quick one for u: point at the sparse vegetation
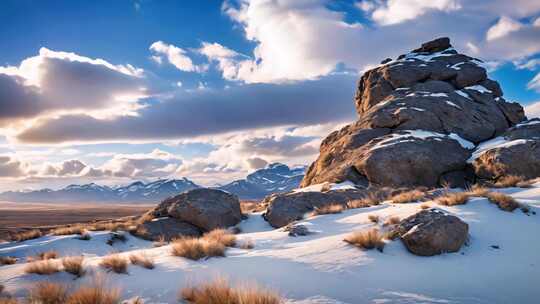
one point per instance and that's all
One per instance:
(408, 196)
(372, 199)
(219, 291)
(46, 255)
(160, 241)
(45, 267)
(85, 236)
(115, 263)
(74, 265)
(116, 237)
(250, 206)
(27, 235)
(221, 236)
(373, 218)
(142, 260)
(76, 229)
(95, 293)
(328, 209)
(503, 201)
(48, 293)
(453, 198)
(370, 239)
(393, 220)
(478, 191)
(513, 181)
(425, 206)
(196, 249)
(7, 260)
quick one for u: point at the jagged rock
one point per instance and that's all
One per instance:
(297, 230)
(431, 89)
(286, 208)
(204, 208)
(167, 227)
(430, 232)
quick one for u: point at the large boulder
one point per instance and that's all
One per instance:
(207, 209)
(430, 232)
(168, 228)
(433, 104)
(285, 208)
(516, 152)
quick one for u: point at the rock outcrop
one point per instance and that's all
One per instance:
(192, 213)
(430, 232)
(420, 118)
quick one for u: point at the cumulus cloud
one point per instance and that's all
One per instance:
(502, 28)
(534, 84)
(174, 55)
(11, 167)
(205, 112)
(533, 110)
(510, 39)
(397, 11)
(72, 167)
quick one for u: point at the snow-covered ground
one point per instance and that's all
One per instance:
(321, 268)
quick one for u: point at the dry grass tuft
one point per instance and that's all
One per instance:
(48, 293)
(219, 291)
(45, 267)
(453, 199)
(372, 199)
(95, 293)
(393, 220)
(328, 209)
(505, 202)
(425, 206)
(373, 218)
(74, 265)
(196, 249)
(250, 206)
(46, 255)
(370, 239)
(7, 260)
(85, 236)
(27, 235)
(408, 196)
(142, 260)
(513, 181)
(478, 191)
(221, 236)
(115, 263)
(160, 242)
(76, 229)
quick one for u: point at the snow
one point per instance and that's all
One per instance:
(478, 88)
(412, 135)
(464, 94)
(321, 268)
(329, 186)
(528, 123)
(452, 104)
(497, 142)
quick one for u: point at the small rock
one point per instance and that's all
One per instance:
(297, 230)
(495, 246)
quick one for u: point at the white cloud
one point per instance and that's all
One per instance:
(11, 167)
(534, 84)
(502, 28)
(174, 55)
(532, 110)
(397, 11)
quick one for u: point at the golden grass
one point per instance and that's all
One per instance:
(160, 242)
(513, 181)
(48, 293)
(27, 235)
(408, 197)
(393, 220)
(196, 249)
(97, 292)
(115, 263)
(250, 206)
(328, 209)
(425, 206)
(74, 265)
(373, 218)
(221, 236)
(142, 260)
(46, 255)
(219, 291)
(45, 267)
(76, 229)
(8, 301)
(453, 198)
(503, 201)
(477, 190)
(370, 239)
(7, 260)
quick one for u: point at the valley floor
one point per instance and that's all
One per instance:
(501, 263)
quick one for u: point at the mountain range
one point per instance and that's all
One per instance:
(274, 178)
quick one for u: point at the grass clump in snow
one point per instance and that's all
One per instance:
(7, 260)
(373, 218)
(46, 255)
(160, 241)
(453, 198)
(196, 249)
(222, 236)
(45, 267)
(513, 181)
(219, 291)
(393, 220)
(425, 206)
(115, 263)
(74, 265)
(328, 209)
(408, 197)
(85, 236)
(27, 235)
(48, 293)
(76, 229)
(95, 293)
(142, 260)
(370, 239)
(503, 201)
(478, 191)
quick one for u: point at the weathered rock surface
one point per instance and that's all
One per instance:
(167, 227)
(207, 209)
(297, 230)
(289, 207)
(430, 232)
(420, 116)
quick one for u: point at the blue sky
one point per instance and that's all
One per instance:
(114, 91)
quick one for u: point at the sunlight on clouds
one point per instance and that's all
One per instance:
(502, 28)
(175, 56)
(397, 11)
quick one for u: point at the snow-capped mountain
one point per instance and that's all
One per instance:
(274, 178)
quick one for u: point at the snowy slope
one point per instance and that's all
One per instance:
(321, 268)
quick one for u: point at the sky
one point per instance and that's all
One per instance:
(116, 91)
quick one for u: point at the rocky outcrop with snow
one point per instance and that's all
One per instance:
(421, 117)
